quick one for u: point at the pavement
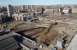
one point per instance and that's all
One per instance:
(73, 44)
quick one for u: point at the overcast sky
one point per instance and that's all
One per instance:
(37, 2)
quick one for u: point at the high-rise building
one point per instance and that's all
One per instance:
(10, 10)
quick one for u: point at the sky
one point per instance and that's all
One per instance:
(37, 2)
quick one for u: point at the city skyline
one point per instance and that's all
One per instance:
(38, 2)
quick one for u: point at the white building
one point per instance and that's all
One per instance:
(66, 10)
(18, 17)
(9, 10)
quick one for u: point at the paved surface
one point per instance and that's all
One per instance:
(73, 44)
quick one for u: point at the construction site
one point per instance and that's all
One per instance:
(40, 28)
